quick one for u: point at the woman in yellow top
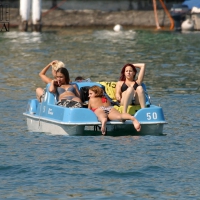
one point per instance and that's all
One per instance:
(128, 89)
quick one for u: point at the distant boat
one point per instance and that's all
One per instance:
(191, 3)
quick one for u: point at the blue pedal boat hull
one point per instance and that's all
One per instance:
(50, 118)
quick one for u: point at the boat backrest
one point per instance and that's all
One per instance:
(84, 88)
(86, 84)
(84, 93)
(49, 97)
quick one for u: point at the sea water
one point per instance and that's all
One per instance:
(45, 166)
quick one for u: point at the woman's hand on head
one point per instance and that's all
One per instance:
(53, 62)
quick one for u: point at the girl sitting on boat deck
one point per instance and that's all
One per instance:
(101, 106)
(128, 89)
(62, 86)
(55, 64)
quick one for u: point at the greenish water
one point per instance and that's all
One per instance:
(42, 166)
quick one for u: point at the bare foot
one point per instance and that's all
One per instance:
(137, 125)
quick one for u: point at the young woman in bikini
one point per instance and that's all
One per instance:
(56, 64)
(101, 106)
(61, 85)
(128, 89)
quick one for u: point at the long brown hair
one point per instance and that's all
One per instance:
(122, 77)
(65, 72)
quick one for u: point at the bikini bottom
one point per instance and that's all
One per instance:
(69, 103)
(106, 109)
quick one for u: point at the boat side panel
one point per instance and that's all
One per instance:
(37, 125)
(150, 114)
(49, 110)
(32, 106)
(79, 115)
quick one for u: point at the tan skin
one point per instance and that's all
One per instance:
(96, 102)
(45, 79)
(125, 98)
(60, 82)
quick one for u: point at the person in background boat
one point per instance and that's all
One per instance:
(62, 82)
(101, 106)
(128, 89)
(79, 79)
(55, 64)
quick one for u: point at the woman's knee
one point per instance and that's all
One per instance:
(39, 91)
(140, 89)
(129, 93)
(130, 90)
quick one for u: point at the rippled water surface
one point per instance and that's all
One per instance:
(43, 166)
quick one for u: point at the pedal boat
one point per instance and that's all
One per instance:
(48, 117)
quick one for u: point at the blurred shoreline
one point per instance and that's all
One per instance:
(90, 18)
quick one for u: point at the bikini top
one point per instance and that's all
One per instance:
(103, 99)
(71, 89)
(60, 90)
(125, 87)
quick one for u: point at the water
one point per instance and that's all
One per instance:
(43, 166)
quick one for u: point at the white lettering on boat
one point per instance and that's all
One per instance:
(50, 112)
(152, 116)
(44, 108)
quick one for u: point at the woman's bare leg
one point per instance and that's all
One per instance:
(39, 93)
(103, 126)
(140, 97)
(116, 115)
(102, 117)
(127, 97)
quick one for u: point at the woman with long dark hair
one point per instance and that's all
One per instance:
(128, 89)
(62, 86)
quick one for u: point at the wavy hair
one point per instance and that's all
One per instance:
(122, 77)
(97, 90)
(57, 64)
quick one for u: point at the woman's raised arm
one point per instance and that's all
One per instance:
(42, 74)
(141, 74)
